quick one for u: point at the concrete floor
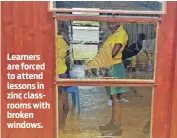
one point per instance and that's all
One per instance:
(95, 112)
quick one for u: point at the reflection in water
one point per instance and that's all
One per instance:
(94, 112)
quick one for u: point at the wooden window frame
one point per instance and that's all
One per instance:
(52, 9)
(108, 82)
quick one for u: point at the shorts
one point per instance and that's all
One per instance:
(62, 89)
(118, 72)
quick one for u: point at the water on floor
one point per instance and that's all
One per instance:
(95, 112)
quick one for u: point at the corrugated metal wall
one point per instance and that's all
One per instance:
(133, 29)
(28, 28)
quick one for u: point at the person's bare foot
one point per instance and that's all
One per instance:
(110, 126)
(111, 129)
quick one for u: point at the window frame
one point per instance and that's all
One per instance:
(52, 9)
(107, 82)
(161, 90)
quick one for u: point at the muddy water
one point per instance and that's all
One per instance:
(95, 112)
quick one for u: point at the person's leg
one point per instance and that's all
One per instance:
(119, 72)
(116, 115)
(63, 109)
(119, 96)
(60, 110)
(65, 106)
(63, 103)
(114, 127)
(109, 102)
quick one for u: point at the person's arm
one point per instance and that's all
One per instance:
(120, 39)
(116, 49)
(65, 51)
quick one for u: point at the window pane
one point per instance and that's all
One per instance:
(133, 117)
(111, 5)
(85, 50)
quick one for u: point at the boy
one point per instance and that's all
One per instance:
(62, 71)
(117, 40)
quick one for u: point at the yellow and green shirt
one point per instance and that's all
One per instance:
(61, 54)
(121, 37)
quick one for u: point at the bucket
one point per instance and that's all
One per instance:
(77, 72)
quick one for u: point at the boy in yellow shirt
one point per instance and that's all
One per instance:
(117, 40)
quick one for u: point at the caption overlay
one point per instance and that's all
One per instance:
(25, 91)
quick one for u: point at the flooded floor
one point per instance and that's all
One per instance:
(96, 112)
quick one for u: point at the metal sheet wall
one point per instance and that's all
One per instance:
(133, 29)
(28, 28)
